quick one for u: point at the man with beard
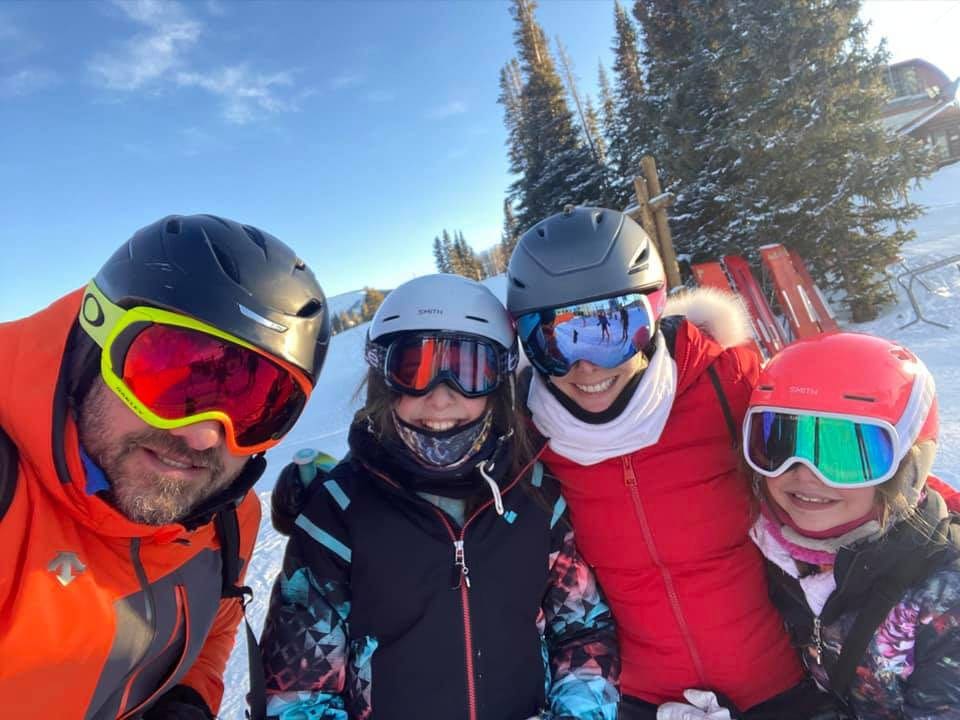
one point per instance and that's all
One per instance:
(134, 416)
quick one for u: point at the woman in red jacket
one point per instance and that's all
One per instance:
(643, 437)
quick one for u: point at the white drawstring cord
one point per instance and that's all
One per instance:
(494, 488)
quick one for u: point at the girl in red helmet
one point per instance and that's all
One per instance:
(864, 557)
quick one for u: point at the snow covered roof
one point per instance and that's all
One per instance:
(909, 120)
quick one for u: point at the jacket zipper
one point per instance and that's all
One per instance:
(462, 573)
(817, 640)
(182, 618)
(630, 480)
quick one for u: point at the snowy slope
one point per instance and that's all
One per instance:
(348, 301)
(328, 413)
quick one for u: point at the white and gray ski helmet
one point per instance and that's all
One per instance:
(581, 254)
(445, 303)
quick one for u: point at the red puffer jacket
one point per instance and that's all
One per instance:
(666, 531)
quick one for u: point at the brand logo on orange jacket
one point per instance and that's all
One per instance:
(64, 565)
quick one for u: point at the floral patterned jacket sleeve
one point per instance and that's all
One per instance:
(933, 688)
(580, 638)
(912, 667)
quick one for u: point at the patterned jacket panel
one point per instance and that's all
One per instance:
(911, 667)
(371, 617)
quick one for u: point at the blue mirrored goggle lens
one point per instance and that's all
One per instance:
(414, 365)
(845, 451)
(605, 332)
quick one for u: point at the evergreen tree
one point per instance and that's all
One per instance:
(440, 257)
(467, 259)
(511, 233)
(586, 114)
(553, 165)
(627, 120)
(446, 242)
(608, 121)
(771, 133)
(336, 325)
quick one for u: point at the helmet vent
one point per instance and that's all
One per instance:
(391, 317)
(256, 237)
(861, 398)
(766, 388)
(227, 263)
(310, 308)
(173, 226)
(478, 319)
(541, 232)
(518, 283)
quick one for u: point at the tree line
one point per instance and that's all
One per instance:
(764, 119)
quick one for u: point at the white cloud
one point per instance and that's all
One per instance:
(245, 93)
(160, 54)
(454, 107)
(26, 81)
(149, 55)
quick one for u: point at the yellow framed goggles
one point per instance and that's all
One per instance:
(173, 370)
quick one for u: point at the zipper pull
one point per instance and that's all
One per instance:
(817, 640)
(461, 573)
(629, 478)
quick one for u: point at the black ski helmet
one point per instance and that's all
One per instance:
(234, 277)
(578, 255)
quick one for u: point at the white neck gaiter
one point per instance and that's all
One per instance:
(638, 426)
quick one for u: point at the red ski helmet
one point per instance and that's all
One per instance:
(865, 400)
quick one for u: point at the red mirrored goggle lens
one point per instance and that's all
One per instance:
(177, 372)
(415, 365)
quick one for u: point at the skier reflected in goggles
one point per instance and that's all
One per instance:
(605, 332)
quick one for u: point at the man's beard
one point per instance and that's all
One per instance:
(143, 496)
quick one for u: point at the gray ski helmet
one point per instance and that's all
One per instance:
(445, 303)
(581, 254)
(235, 277)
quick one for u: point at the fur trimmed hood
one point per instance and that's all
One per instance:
(719, 314)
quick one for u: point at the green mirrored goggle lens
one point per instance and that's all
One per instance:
(845, 451)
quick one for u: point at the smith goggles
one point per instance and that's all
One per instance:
(415, 364)
(173, 371)
(605, 332)
(843, 451)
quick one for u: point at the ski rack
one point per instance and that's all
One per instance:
(798, 296)
(915, 275)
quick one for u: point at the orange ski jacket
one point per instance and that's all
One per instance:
(99, 616)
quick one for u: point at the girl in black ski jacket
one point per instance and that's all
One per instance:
(433, 574)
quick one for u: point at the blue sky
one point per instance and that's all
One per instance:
(354, 131)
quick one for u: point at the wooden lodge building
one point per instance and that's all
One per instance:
(925, 106)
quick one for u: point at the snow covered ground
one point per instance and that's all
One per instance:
(327, 416)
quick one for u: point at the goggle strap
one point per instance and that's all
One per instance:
(98, 315)
(375, 354)
(922, 395)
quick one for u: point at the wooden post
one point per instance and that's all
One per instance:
(667, 253)
(643, 205)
